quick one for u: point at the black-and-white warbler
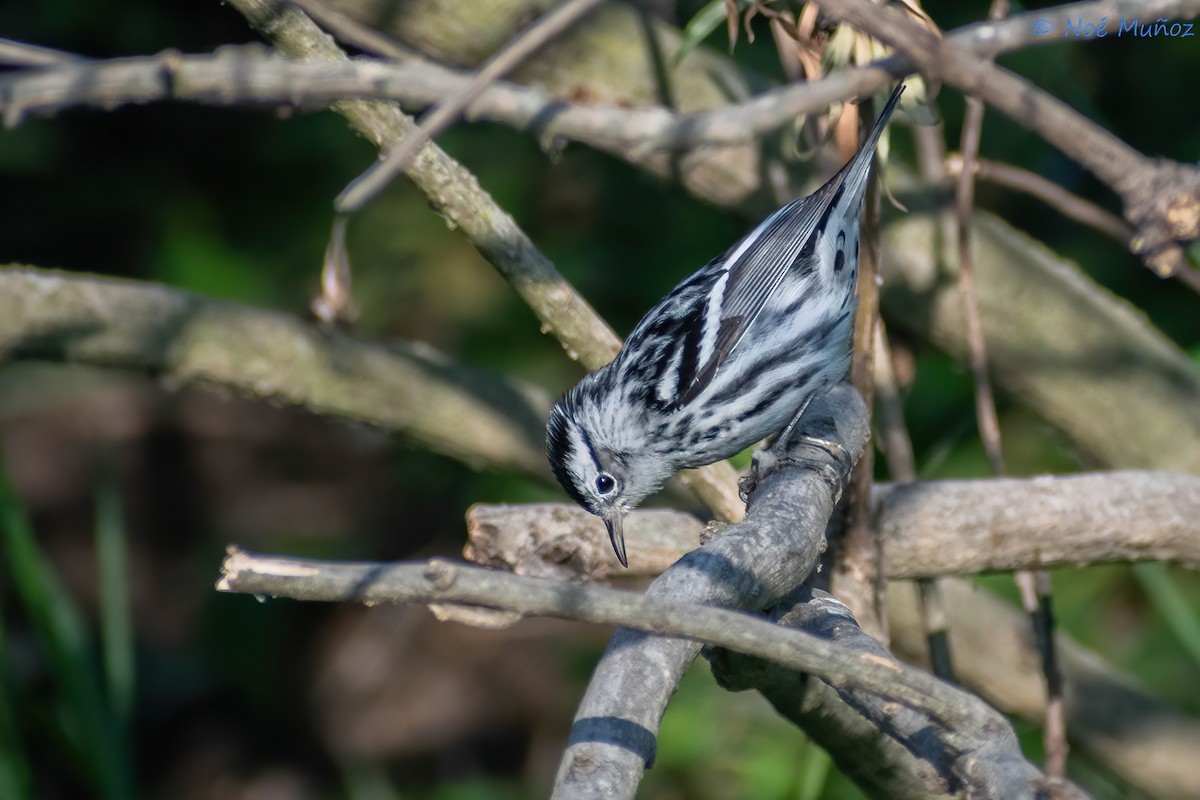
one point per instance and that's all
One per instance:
(732, 355)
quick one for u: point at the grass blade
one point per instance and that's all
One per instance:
(116, 630)
(14, 774)
(62, 641)
(814, 773)
(1171, 603)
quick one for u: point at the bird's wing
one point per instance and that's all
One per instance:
(756, 266)
(754, 269)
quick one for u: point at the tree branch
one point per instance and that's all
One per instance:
(1083, 359)
(444, 582)
(1050, 193)
(185, 339)
(441, 116)
(242, 75)
(998, 769)
(970, 745)
(929, 528)
(994, 650)
(1162, 198)
(1150, 745)
(458, 196)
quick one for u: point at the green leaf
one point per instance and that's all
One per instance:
(1171, 603)
(699, 27)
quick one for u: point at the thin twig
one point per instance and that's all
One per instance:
(1035, 587)
(352, 32)
(1050, 193)
(985, 401)
(902, 467)
(20, 54)
(859, 577)
(363, 188)
(889, 412)
(1069, 205)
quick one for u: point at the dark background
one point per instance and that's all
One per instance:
(236, 699)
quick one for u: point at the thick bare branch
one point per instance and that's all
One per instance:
(970, 745)
(1007, 524)
(997, 768)
(929, 528)
(1150, 745)
(184, 339)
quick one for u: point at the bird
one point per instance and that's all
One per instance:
(733, 354)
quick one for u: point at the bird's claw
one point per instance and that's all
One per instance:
(765, 462)
(772, 458)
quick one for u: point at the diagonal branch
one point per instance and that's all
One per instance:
(459, 197)
(1138, 737)
(1162, 198)
(381, 173)
(997, 764)
(750, 565)
(443, 582)
(184, 339)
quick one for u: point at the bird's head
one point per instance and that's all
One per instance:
(588, 462)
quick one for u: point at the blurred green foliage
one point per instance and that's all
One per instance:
(114, 678)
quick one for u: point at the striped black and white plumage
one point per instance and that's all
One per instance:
(726, 359)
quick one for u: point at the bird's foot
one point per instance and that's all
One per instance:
(772, 458)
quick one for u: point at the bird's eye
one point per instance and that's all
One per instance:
(605, 483)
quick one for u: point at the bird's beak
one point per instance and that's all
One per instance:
(616, 534)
